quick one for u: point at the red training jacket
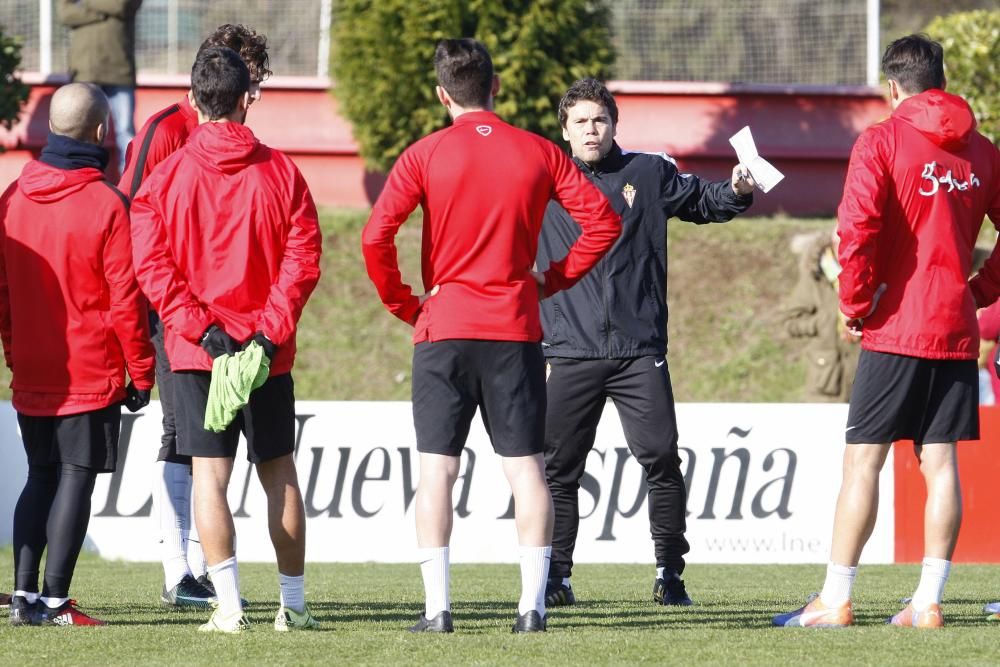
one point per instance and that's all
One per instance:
(72, 318)
(918, 186)
(483, 186)
(225, 232)
(163, 133)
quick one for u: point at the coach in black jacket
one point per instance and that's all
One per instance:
(606, 337)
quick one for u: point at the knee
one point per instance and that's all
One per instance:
(863, 461)
(278, 474)
(661, 465)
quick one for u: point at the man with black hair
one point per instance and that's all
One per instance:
(185, 580)
(72, 320)
(483, 186)
(918, 187)
(227, 246)
(606, 337)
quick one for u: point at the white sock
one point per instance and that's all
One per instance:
(933, 577)
(173, 511)
(53, 603)
(839, 581)
(434, 568)
(293, 592)
(534, 573)
(226, 579)
(659, 572)
(31, 598)
(195, 554)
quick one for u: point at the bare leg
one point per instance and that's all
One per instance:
(943, 511)
(285, 513)
(857, 504)
(533, 512)
(212, 514)
(434, 512)
(534, 516)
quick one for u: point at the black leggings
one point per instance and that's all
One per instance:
(53, 511)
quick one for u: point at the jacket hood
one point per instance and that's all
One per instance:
(226, 147)
(44, 183)
(943, 118)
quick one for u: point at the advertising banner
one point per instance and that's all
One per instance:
(762, 482)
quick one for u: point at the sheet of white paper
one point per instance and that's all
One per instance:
(763, 172)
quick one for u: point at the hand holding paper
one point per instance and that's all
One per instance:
(763, 172)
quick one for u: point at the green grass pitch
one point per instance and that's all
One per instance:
(365, 609)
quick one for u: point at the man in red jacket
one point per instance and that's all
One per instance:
(483, 186)
(73, 321)
(918, 186)
(185, 582)
(227, 244)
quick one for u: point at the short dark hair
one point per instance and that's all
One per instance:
(218, 79)
(591, 90)
(245, 41)
(915, 62)
(464, 69)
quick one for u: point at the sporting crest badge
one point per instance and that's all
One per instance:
(629, 193)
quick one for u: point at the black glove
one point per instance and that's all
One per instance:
(217, 342)
(262, 340)
(135, 399)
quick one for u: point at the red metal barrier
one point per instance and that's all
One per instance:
(979, 470)
(806, 131)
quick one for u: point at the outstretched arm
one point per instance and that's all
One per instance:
(694, 200)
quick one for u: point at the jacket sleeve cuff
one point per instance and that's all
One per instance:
(145, 384)
(555, 282)
(409, 311)
(743, 202)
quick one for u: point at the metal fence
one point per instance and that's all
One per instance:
(760, 41)
(168, 33)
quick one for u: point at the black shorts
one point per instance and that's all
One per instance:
(88, 439)
(896, 397)
(505, 379)
(165, 386)
(268, 420)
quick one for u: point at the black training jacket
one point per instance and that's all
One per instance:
(619, 309)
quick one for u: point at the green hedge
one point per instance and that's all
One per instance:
(13, 93)
(382, 62)
(971, 43)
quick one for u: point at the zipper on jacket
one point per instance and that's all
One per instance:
(604, 290)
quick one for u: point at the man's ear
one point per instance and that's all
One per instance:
(495, 86)
(893, 89)
(443, 97)
(565, 133)
(944, 82)
(101, 132)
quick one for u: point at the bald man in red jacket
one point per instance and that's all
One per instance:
(73, 321)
